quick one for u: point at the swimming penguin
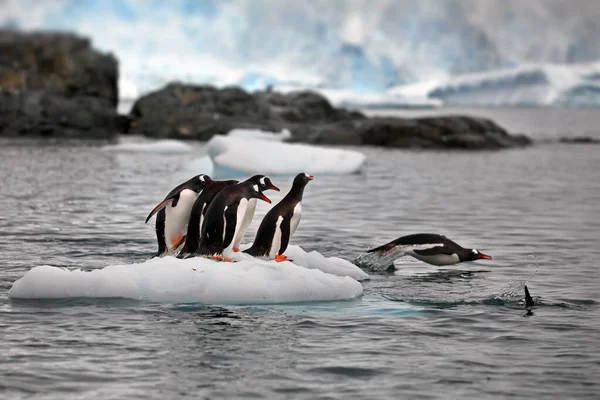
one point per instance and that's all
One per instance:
(430, 248)
(174, 212)
(224, 216)
(280, 223)
(192, 239)
(264, 183)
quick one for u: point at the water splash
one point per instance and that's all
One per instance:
(515, 288)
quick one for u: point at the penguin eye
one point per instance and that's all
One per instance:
(201, 177)
(255, 187)
(262, 181)
(475, 251)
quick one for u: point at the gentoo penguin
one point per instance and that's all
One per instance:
(264, 183)
(194, 230)
(224, 216)
(174, 212)
(192, 238)
(280, 223)
(431, 248)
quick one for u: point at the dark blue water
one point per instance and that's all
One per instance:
(420, 332)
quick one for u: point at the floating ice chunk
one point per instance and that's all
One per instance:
(233, 156)
(260, 135)
(167, 146)
(331, 265)
(198, 165)
(248, 281)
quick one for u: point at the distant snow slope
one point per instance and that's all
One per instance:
(357, 46)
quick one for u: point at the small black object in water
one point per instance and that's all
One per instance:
(529, 304)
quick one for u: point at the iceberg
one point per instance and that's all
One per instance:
(235, 156)
(311, 277)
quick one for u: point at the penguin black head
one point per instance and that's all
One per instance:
(201, 181)
(254, 192)
(302, 179)
(263, 182)
(472, 255)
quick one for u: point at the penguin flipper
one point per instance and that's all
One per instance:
(285, 235)
(230, 224)
(162, 205)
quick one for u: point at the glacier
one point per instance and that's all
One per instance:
(354, 50)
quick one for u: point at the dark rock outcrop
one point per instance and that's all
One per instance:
(56, 84)
(579, 140)
(199, 112)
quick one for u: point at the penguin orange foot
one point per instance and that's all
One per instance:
(280, 258)
(236, 249)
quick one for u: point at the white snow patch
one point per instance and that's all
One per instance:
(260, 134)
(233, 156)
(136, 145)
(167, 279)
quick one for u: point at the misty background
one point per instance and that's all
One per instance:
(467, 52)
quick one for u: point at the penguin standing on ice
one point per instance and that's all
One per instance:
(430, 248)
(194, 230)
(264, 183)
(224, 216)
(174, 212)
(192, 239)
(280, 223)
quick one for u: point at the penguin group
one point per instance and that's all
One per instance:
(209, 218)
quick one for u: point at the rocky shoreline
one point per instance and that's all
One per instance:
(57, 85)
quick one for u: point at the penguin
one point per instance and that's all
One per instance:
(194, 229)
(264, 183)
(192, 238)
(174, 211)
(280, 223)
(431, 248)
(224, 216)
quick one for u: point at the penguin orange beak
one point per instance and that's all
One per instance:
(310, 178)
(264, 198)
(483, 256)
(273, 187)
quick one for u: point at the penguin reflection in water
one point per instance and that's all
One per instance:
(280, 223)
(174, 211)
(224, 218)
(194, 231)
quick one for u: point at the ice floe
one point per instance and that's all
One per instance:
(234, 156)
(311, 277)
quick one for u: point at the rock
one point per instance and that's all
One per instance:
(56, 84)
(579, 140)
(199, 112)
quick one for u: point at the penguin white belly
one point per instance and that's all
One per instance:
(438, 259)
(176, 218)
(242, 209)
(276, 241)
(295, 219)
(245, 222)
